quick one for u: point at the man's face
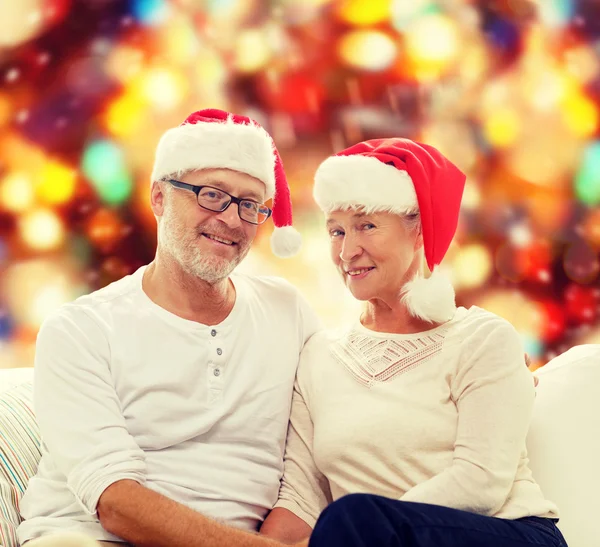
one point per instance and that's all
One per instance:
(206, 244)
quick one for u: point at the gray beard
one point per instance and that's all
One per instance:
(210, 269)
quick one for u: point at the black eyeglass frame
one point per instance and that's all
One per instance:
(232, 199)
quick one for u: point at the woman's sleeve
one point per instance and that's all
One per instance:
(494, 395)
(304, 489)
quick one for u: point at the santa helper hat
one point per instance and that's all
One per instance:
(400, 176)
(215, 139)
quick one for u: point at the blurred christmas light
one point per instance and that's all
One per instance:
(296, 93)
(501, 128)
(471, 267)
(103, 164)
(3, 252)
(252, 50)
(553, 321)
(6, 324)
(41, 230)
(471, 196)
(432, 43)
(124, 63)
(506, 264)
(210, 69)
(530, 160)
(17, 193)
(589, 337)
(56, 183)
(582, 63)
(532, 259)
(545, 87)
(591, 228)
(179, 40)
(587, 181)
(475, 63)
(581, 303)
(80, 250)
(581, 263)
(496, 95)
(35, 288)
(514, 104)
(364, 13)
(302, 12)
(517, 308)
(56, 10)
(164, 88)
(125, 114)
(404, 14)
(115, 268)
(532, 346)
(454, 139)
(221, 8)
(20, 21)
(5, 109)
(150, 12)
(581, 114)
(370, 50)
(555, 13)
(520, 235)
(549, 211)
(104, 229)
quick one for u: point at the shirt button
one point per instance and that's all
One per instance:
(213, 332)
(219, 351)
(217, 372)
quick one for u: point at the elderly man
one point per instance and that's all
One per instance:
(163, 399)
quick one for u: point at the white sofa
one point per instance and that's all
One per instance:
(563, 443)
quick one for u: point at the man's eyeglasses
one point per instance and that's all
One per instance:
(216, 200)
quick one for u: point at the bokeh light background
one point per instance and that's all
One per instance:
(508, 89)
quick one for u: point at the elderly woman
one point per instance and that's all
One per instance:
(415, 418)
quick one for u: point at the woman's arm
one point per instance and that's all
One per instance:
(304, 491)
(285, 526)
(494, 396)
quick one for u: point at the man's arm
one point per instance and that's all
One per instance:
(145, 518)
(82, 425)
(78, 410)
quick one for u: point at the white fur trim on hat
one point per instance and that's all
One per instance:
(285, 241)
(431, 299)
(217, 145)
(343, 182)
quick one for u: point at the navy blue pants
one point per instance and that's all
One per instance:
(364, 520)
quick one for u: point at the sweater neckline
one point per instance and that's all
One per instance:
(458, 316)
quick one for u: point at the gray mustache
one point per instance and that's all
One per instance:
(237, 236)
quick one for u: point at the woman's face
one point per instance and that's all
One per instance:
(376, 254)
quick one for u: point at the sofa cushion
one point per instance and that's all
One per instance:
(564, 441)
(19, 454)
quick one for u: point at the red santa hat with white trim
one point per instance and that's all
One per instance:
(215, 139)
(402, 176)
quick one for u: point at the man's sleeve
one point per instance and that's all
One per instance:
(310, 323)
(77, 408)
